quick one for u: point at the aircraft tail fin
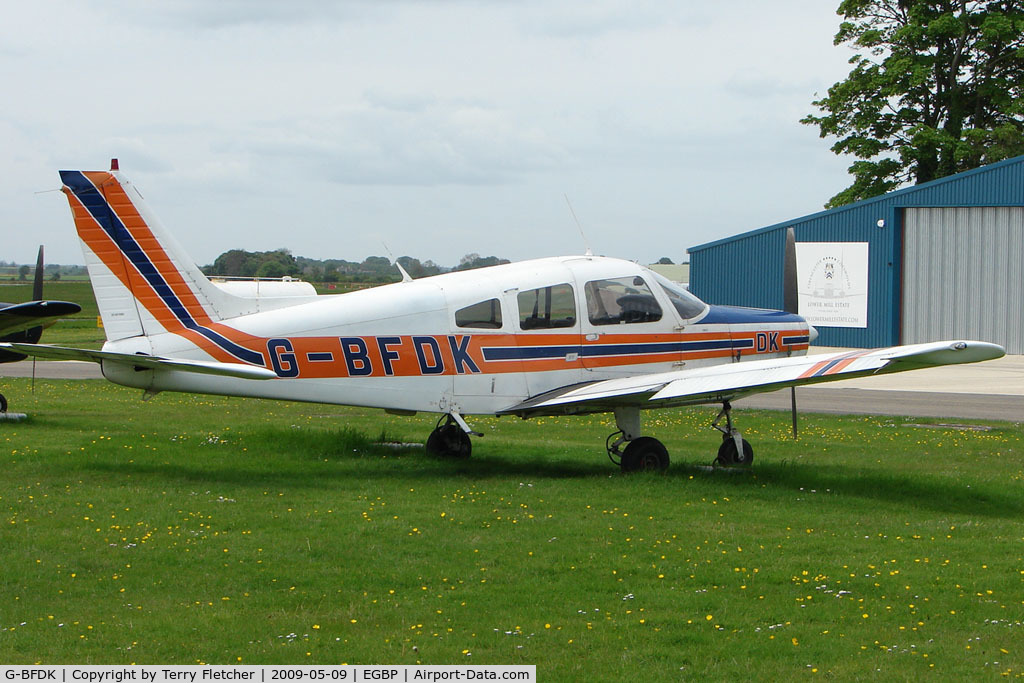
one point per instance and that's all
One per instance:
(144, 282)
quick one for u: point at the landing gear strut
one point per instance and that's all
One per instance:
(641, 453)
(735, 450)
(449, 440)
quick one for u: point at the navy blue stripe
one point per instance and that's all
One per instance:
(97, 206)
(630, 349)
(528, 352)
(792, 341)
(828, 367)
(320, 355)
(499, 353)
(836, 361)
(663, 347)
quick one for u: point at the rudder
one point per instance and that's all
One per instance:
(143, 280)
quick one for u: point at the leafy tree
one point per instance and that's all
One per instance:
(665, 261)
(375, 263)
(474, 260)
(418, 269)
(432, 268)
(23, 272)
(271, 268)
(241, 263)
(235, 263)
(278, 261)
(936, 88)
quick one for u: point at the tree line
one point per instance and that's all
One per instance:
(281, 263)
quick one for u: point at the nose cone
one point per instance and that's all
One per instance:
(812, 333)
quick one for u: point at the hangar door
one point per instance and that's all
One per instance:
(963, 275)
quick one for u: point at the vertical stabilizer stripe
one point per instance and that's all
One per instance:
(103, 212)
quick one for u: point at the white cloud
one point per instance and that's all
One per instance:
(445, 126)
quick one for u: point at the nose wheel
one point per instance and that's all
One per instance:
(735, 450)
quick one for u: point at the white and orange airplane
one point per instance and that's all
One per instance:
(554, 336)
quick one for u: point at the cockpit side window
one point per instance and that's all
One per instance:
(623, 300)
(687, 304)
(484, 315)
(547, 307)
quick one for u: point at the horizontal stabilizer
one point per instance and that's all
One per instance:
(714, 384)
(20, 317)
(239, 370)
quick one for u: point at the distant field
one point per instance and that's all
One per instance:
(196, 529)
(80, 330)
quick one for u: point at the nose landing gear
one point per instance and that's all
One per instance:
(735, 450)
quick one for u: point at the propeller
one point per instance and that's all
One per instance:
(37, 283)
(790, 299)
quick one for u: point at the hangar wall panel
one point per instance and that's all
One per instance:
(963, 275)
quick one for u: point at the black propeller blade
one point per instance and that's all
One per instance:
(790, 297)
(37, 283)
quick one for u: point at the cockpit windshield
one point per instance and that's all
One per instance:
(687, 304)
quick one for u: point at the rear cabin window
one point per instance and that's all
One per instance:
(547, 307)
(485, 315)
(623, 300)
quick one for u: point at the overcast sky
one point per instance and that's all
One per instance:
(439, 127)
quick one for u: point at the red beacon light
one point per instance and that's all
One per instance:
(114, 165)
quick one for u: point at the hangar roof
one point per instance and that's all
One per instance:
(998, 184)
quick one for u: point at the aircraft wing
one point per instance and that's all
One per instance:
(21, 317)
(714, 384)
(240, 370)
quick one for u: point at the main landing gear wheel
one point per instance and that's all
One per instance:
(630, 451)
(644, 454)
(449, 440)
(3, 403)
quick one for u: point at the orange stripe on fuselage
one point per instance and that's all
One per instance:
(366, 354)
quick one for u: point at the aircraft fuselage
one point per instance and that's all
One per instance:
(473, 342)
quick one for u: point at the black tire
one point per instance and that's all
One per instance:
(3, 403)
(449, 441)
(727, 454)
(645, 454)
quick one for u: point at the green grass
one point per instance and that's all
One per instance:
(196, 529)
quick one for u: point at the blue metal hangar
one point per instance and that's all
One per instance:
(939, 260)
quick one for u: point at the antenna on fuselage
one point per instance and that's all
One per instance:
(582, 234)
(405, 275)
